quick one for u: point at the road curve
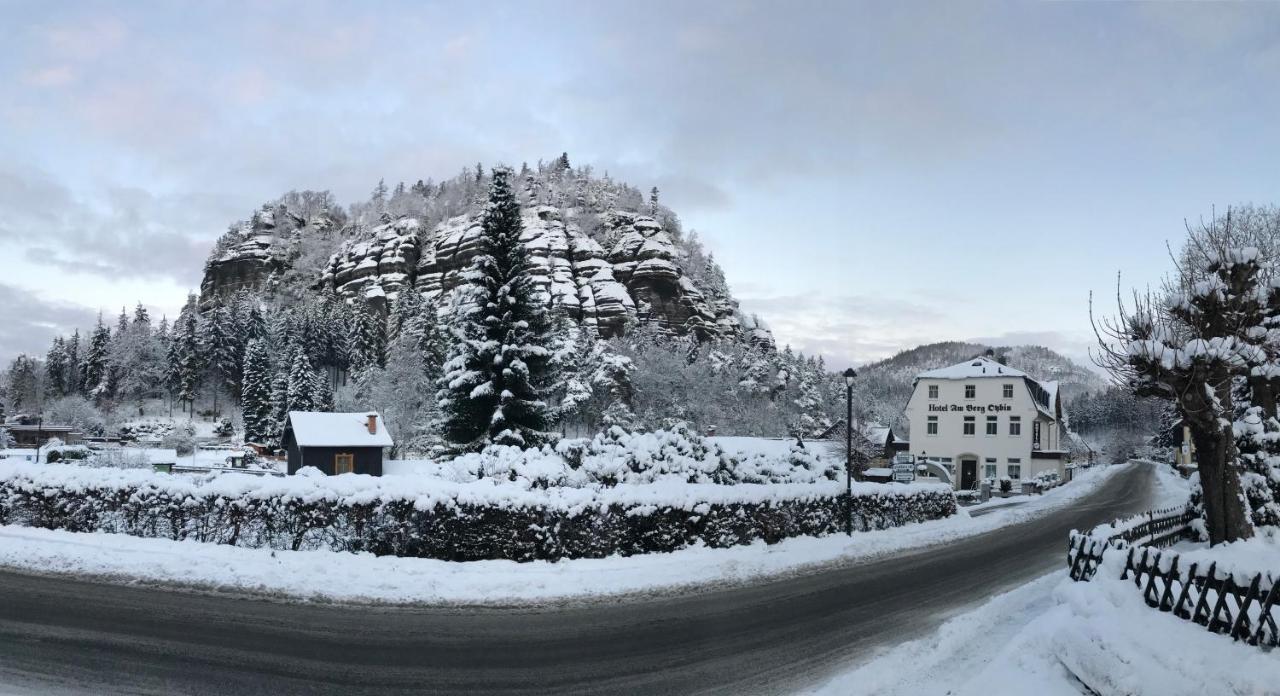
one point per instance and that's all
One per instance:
(69, 636)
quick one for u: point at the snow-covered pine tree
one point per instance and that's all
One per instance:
(321, 392)
(568, 389)
(368, 339)
(301, 395)
(489, 391)
(255, 396)
(95, 361)
(279, 400)
(71, 383)
(187, 353)
(221, 341)
(55, 369)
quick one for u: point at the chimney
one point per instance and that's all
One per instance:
(373, 424)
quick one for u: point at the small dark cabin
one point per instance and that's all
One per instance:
(336, 443)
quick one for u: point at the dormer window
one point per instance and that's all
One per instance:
(970, 391)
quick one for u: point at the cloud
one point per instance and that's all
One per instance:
(121, 232)
(28, 323)
(845, 329)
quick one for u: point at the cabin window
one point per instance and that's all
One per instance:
(1015, 426)
(343, 463)
(969, 425)
(1008, 391)
(970, 391)
(931, 427)
(933, 391)
(992, 425)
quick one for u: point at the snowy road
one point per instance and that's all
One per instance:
(60, 635)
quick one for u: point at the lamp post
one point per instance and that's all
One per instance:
(849, 374)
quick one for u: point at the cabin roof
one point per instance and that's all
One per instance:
(312, 429)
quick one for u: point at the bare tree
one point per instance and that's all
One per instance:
(1189, 345)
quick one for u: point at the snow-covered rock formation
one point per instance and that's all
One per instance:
(603, 264)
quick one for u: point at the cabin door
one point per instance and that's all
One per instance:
(968, 474)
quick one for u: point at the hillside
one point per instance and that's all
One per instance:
(605, 254)
(884, 387)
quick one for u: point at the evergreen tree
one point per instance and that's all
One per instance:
(489, 392)
(71, 381)
(55, 369)
(255, 397)
(222, 346)
(369, 339)
(321, 392)
(300, 395)
(95, 361)
(279, 401)
(187, 354)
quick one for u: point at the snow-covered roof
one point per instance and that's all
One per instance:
(970, 369)
(338, 429)
(875, 433)
(877, 471)
(154, 455)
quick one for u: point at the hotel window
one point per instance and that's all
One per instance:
(1015, 426)
(931, 428)
(989, 469)
(970, 391)
(992, 427)
(343, 463)
(933, 391)
(1008, 391)
(1015, 470)
(969, 425)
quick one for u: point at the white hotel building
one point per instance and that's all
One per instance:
(983, 420)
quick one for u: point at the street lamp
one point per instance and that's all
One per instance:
(849, 375)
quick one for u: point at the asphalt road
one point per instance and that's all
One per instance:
(69, 636)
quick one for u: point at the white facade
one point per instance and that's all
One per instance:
(984, 420)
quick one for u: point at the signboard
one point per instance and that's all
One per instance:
(904, 473)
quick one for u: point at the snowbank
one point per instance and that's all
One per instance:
(1050, 635)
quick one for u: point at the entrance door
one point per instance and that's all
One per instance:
(968, 474)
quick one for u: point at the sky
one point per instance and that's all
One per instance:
(870, 176)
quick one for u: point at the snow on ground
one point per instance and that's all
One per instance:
(304, 574)
(1051, 634)
(1023, 642)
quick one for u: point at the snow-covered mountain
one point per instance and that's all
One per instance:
(603, 253)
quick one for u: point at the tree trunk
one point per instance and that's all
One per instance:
(1224, 507)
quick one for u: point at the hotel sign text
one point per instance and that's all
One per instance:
(970, 408)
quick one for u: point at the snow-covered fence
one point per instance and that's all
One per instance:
(431, 518)
(1156, 528)
(1224, 602)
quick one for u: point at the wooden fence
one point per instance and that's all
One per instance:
(1246, 612)
(1158, 528)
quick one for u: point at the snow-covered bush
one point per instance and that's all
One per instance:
(119, 458)
(1006, 485)
(56, 451)
(181, 438)
(433, 518)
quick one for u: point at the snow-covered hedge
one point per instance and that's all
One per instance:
(432, 518)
